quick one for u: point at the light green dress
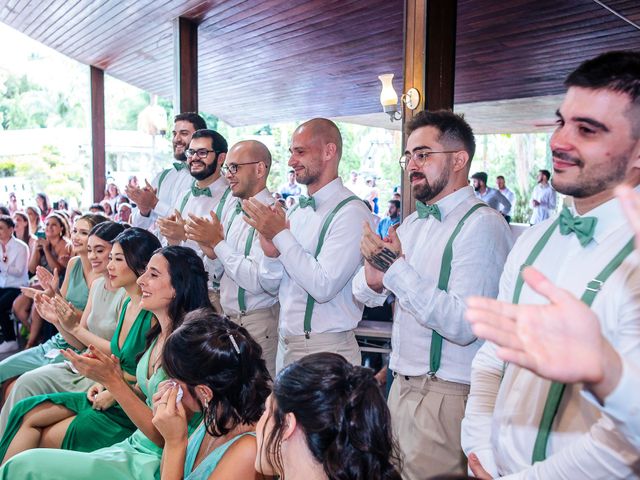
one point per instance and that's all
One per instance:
(59, 377)
(48, 352)
(204, 470)
(135, 458)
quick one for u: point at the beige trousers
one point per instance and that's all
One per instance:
(262, 325)
(425, 415)
(294, 347)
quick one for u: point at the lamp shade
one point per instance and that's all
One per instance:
(388, 96)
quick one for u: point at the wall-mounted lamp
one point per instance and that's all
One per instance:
(389, 98)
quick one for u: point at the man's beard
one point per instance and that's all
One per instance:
(307, 177)
(181, 157)
(207, 172)
(424, 192)
(587, 185)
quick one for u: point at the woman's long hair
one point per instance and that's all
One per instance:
(208, 349)
(26, 235)
(344, 417)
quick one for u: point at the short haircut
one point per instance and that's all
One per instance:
(482, 176)
(96, 206)
(615, 71)
(453, 128)
(499, 177)
(8, 221)
(546, 173)
(396, 203)
(193, 118)
(218, 142)
(326, 131)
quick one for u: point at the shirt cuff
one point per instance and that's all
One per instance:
(617, 404)
(223, 251)
(284, 241)
(162, 209)
(401, 278)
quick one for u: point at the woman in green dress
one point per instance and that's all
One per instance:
(96, 324)
(174, 283)
(75, 288)
(227, 379)
(90, 420)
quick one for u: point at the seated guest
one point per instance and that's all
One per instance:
(35, 225)
(174, 284)
(97, 208)
(75, 289)
(22, 230)
(225, 378)
(326, 419)
(95, 326)
(42, 200)
(392, 218)
(14, 257)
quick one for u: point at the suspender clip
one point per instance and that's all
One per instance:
(594, 285)
(307, 334)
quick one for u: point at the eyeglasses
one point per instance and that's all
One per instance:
(232, 168)
(201, 152)
(420, 157)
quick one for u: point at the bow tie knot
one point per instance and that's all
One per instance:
(583, 227)
(179, 165)
(426, 211)
(196, 192)
(307, 202)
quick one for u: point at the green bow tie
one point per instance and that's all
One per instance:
(425, 211)
(179, 165)
(307, 202)
(196, 192)
(583, 227)
(239, 207)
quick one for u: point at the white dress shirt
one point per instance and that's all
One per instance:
(546, 195)
(494, 199)
(503, 412)
(241, 271)
(14, 264)
(169, 194)
(202, 206)
(509, 195)
(479, 252)
(328, 278)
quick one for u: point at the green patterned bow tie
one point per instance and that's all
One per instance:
(583, 227)
(307, 202)
(425, 211)
(196, 192)
(179, 165)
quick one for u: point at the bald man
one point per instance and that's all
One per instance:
(232, 245)
(313, 252)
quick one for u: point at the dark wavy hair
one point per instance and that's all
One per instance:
(92, 219)
(344, 417)
(201, 352)
(189, 281)
(138, 246)
(107, 231)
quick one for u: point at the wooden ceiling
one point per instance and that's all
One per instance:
(277, 60)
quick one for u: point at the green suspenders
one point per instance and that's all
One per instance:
(308, 313)
(435, 352)
(556, 390)
(161, 179)
(242, 306)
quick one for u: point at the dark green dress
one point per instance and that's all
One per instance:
(90, 429)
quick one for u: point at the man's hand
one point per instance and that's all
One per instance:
(560, 341)
(380, 254)
(477, 469)
(268, 247)
(374, 277)
(535, 203)
(172, 228)
(267, 220)
(206, 232)
(145, 198)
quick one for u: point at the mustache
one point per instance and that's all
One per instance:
(415, 175)
(566, 157)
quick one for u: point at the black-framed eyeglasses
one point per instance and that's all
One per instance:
(420, 157)
(232, 168)
(200, 152)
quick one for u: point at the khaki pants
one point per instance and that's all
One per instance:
(425, 415)
(214, 298)
(262, 325)
(294, 347)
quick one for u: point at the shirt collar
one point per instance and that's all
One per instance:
(327, 192)
(451, 201)
(264, 196)
(610, 218)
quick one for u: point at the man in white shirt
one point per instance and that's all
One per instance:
(488, 195)
(246, 297)
(314, 251)
(543, 198)
(291, 188)
(208, 192)
(14, 266)
(508, 194)
(520, 425)
(453, 246)
(160, 198)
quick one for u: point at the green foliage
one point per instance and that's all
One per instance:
(7, 168)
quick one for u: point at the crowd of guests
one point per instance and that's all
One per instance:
(212, 335)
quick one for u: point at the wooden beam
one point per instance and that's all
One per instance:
(98, 133)
(429, 64)
(185, 33)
